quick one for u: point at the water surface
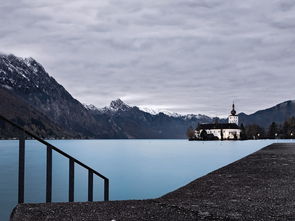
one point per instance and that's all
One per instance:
(137, 169)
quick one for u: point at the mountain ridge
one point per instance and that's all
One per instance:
(278, 114)
(27, 80)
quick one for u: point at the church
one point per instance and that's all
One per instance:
(220, 131)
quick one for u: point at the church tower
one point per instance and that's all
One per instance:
(233, 118)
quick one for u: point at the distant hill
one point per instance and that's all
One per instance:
(29, 84)
(264, 118)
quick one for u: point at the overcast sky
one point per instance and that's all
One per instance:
(186, 56)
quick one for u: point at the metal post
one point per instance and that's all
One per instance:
(49, 175)
(72, 161)
(21, 169)
(106, 190)
(71, 180)
(90, 186)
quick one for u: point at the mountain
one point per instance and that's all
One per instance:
(135, 123)
(33, 99)
(28, 82)
(264, 118)
(173, 114)
(27, 79)
(20, 112)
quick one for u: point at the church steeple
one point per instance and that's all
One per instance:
(233, 118)
(233, 112)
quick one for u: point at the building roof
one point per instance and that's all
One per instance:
(218, 126)
(233, 112)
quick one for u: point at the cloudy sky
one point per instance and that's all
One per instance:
(187, 56)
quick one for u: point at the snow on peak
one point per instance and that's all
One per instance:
(118, 105)
(90, 107)
(149, 110)
(17, 72)
(29, 61)
(155, 111)
(197, 116)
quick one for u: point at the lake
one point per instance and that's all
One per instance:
(137, 169)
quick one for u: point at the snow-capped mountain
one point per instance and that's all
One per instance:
(115, 106)
(38, 101)
(136, 122)
(28, 80)
(154, 111)
(119, 106)
(90, 107)
(19, 73)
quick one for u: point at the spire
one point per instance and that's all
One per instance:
(233, 112)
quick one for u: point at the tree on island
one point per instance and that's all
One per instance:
(204, 135)
(254, 131)
(273, 131)
(243, 134)
(288, 128)
(190, 133)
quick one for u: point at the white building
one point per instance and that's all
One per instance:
(221, 131)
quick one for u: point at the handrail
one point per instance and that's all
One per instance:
(72, 160)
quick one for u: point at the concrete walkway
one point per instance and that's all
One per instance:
(260, 186)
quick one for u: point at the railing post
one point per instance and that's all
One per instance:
(49, 175)
(71, 180)
(106, 189)
(21, 168)
(50, 148)
(90, 186)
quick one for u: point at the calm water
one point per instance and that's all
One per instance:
(137, 169)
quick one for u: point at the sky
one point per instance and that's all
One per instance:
(185, 56)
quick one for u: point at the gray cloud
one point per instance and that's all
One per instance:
(190, 56)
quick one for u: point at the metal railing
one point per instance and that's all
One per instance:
(72, 162)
